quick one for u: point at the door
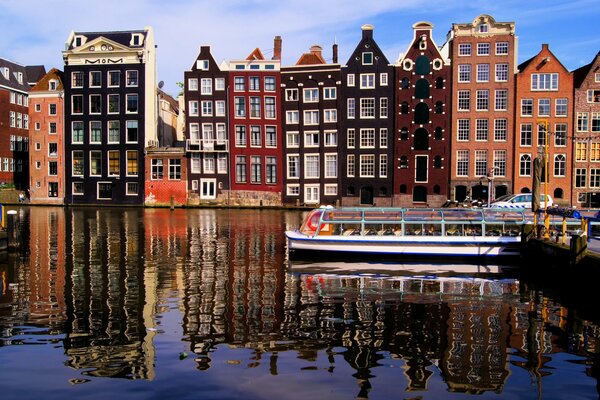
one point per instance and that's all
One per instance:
(366, 195)
(311, 194)
(208, 189)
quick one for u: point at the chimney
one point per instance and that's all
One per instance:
(335, 53)
(367, 31)
(277, 48)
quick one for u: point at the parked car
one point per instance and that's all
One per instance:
(520, 200)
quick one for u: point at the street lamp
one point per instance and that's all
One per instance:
(544, 123)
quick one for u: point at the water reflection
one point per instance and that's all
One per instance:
(99, 283)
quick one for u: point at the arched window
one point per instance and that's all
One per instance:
(404, 108)
(560, 165)
(421, 139)
(439, 83)
(437, 162)
(422, 65)
(403, 189)
(439, 107)
(438, 133)
(525, 190)
(404, 133)
(403, 162)
(422, 89)
(421, 113)
(404, 83)
(558, 193)
(420, 193)
(525, 165)
(350, 191)
(436, 189)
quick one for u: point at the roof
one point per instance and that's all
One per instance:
(42, 84)
(172, 102)
(310, 59)
(256, 55)
(525, 63)
(35, 73)
(581, 73)
(121, 37)
(13, 69)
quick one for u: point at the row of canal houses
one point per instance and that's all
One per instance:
(439, 123)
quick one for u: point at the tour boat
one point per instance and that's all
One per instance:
(417, 232)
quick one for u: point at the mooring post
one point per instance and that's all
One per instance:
(12, 228)
(172, 203)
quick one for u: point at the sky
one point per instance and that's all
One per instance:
(34, 32)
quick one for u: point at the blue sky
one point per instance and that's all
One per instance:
(35, 31)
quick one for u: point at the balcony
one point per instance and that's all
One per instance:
(206, 146)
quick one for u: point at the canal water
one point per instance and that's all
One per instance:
(206, 304)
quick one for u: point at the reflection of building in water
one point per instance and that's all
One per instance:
(108, 295)
(233, 280)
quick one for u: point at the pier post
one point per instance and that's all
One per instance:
(172, 203)
(578, 248)
(12, 228)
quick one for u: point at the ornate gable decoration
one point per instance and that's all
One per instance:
(104, 51)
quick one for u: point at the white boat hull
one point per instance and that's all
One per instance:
(434, 246)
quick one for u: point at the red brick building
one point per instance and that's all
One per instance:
(46, 137)
(423, 97)
(586, 160)
(483, 55)
(544, 95)
(166, 176)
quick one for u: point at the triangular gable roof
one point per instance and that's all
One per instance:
(42, 84)
(375, 47)
(581, 73)
(255, 55)
(423, 25)
(310, 59)
(524, 65)
(97, 45)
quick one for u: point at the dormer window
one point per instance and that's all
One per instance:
(79, 40)
(52, 85)
(483, 28)
(6, 72)
(136, 39)
(19, 76)
(202, 65)
(367, 58)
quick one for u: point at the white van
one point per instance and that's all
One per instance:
(520, 200)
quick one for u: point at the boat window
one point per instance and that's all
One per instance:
(342, 215)
(383, 215)
(413, 229)
(422, 215)
(503, 215)
(462, 215)
(502, 230)
(432, 229)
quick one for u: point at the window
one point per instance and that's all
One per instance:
(561, 107)
(77, 161)
(350, 138)
(157, 169)
(525, 165)
(311, 95)
(95, 132)
(541, 135)
(77, 104)
(464, 49)
(329, 93)
(293, 190)
(51, 109)
(501, 100)
(202, 65)
(481, 163)
(132, 131)
(254, 83)
(174, 169)
(527, 107)
(560, 165)
(271, 136)
(383, 79)
(104, 191)
(52, 149)
(481, 129)
(367, 81)
(483, 100)
(462, 163)
(483, 49)
(367, 108)
(383, 107)
(526, 135)
(464, 73)
(77, 79)
(311, 138)
(77, 188)
(52, 168)
(367, 166)
(13, 119)
(293, 166)
(207, 108)
(271, 170)
(205, 86)
(330, 138)
(544, 107)
(132, 163)
(269, 83)
(581, 151)
(483, 72)
(463, 130)
(114, 106)
(330, 189)
(77, 132)
(351, 105)
(113, 163)
(255, 169)
(255, 136)
(367, 138)
(595, 122)
(580, 177)
(595, 178)
(219, 83)
(350, 165)
(500, 130)
(593, 96)
(240, 107)
(483, 28)
(240, 136)
(194, 109)
(501, 72)
(311, 117)
(499, 163)
(560, 135)
(311, 166)
(132, 189)
(330, 165)
(95, 163)
(132, 103)
(95, 78)
(220, 108)
(544, 81)
(350, 80)
(291, 94)
(239, 84)
(270, 107)
(367, 58)
(501, 48)
(330, 115)
(131, 78)
(383, 138)
(464, 100)
(114, 78)
(95, 104)
(292, 117)
(292, 139)
(221, 163)
(582, 122)
(52, 128)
